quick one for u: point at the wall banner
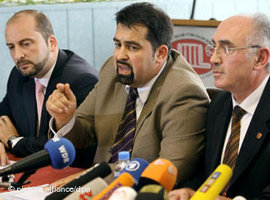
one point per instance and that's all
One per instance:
(191, 38)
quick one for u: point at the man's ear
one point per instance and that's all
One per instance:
(52, 42)
(161, 54)
(262, 57)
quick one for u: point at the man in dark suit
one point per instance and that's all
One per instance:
(241, 67)
(33, 47)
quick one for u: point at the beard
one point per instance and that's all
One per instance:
(36, 68)
(125, 79)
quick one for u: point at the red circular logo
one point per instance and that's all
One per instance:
(195, 53)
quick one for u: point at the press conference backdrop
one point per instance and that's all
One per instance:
(191, 38)
(88, 28)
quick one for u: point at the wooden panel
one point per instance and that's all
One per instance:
(192, 22)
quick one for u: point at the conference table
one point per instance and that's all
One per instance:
(44, 175)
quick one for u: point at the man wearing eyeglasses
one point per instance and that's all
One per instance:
(238, 120)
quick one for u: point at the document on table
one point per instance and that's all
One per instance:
(26, 193)
(10, 177)
(11, 162)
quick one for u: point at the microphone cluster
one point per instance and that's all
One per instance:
(138, 180)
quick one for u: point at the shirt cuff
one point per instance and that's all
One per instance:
(15, 141)
(239, 198)
(64, 130)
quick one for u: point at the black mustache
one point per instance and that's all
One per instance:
(124, 63)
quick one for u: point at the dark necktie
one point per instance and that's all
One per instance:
(231, 151)
(126, 130)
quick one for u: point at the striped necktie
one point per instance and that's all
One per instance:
(231, 151)
(127, 127)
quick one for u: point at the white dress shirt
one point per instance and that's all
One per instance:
(249, 105)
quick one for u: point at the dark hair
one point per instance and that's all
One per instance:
(158, 23)
(43, 24)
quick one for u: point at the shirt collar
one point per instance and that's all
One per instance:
(45, 79)
(144, 91)
(250, 103)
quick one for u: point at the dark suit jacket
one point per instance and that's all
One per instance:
(20, 104)
(251, 177)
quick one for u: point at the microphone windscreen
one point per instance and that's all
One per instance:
(61, 152)
(123, 193)
(152, 192)
(135, 168)
(214, 184)
(160, 171)
(88, 190)
(124, 179)
(99, 170)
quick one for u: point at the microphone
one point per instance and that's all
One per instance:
(135, 168)
(88, 190)
(152, 192)
(214, 184)
(125, 179)
(99, 170)
(160, 171)
(59, 152)
(123, 193)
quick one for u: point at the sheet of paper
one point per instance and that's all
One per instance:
(10, 177)
(11, 162)
(26, 193)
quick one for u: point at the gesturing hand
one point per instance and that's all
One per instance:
(61, 104)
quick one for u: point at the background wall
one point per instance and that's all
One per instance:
(88, 28)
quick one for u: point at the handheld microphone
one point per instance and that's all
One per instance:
(59, 152)
(125, 179)
(123, 193)
(214, 184)
(99, 170)
(135, 168)
(160, 171)
(88, 190)
(152, 192)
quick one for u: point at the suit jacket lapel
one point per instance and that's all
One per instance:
(219, 133)
(153, 95)
(256, 134)
(54, 79)
(29, 101)
(120, 98)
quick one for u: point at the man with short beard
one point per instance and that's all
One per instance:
(39, 62)
(171, 101)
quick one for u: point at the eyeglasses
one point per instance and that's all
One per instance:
(222, 50)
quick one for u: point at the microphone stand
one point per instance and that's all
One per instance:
(22, 180)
